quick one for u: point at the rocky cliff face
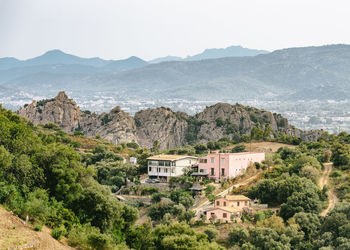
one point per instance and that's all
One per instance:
(161, 124)
(116, 126)
(170, 128)
(223, 119)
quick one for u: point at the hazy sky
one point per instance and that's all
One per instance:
(116, 29)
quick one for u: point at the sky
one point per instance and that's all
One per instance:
(117, 29)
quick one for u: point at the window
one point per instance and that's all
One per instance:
(224, 215)
(212, 215)
(223, 161)
(218, 203)
(237, 203)
(223, 172)
(246, 203)
(165, 170)
(203, 161)
(149, 169)
(158, 170)
(211, 159)
(224, 203)
(173, 170)
(212, 171)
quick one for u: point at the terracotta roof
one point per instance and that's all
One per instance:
(236, 198)
(228, 209)
(168, 157)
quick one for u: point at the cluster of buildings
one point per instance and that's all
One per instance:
(215, 166)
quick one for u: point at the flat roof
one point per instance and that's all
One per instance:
(236, 198)
(169, 157)
(239, 153)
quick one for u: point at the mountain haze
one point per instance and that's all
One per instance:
(232, 51)
(321, 72)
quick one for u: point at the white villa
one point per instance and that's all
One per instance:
(166, 166)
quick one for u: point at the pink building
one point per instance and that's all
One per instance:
(222, 166)
(223, 213)
(227, 208)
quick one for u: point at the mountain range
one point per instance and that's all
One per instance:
(232, 51)
(307, 73)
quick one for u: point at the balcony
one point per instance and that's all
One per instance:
(201, 172)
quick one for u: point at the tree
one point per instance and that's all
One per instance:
(156, 147)
(211, 233)
(238, 148)
(209, 189)
(267, 132)
(309, 223)
(200, 148)
(139, 237)
(307, 201)
(237, 235)
(311, 173)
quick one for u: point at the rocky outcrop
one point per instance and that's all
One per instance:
(115, 126)
(163, 125)
(223, 119)
(170, 128)
(60, 110)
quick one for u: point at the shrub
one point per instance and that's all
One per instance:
(211, 233)
(38, 227)
(52, 126)
(335, 174)
(58, 232)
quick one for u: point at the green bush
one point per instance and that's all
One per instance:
(59, 232)
(38, 227)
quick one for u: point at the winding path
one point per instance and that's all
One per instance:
(332, 198)
(205, 202)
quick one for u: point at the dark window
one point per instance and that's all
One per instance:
(212, 171)
(218, 203)
(224, 215)
(203, 161)
(238, 203)
(150, 169)
(224, 203)
(223, 172)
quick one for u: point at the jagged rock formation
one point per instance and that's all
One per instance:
(161, 124)
(223, 119)
(116, 126)
(170, 128)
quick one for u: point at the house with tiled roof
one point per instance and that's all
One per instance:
(227, 208)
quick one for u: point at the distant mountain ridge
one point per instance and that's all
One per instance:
(308, 73)
(58, 57)
(232, 51)
(169, 128)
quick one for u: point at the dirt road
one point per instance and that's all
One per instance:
(324, 180)
(205, 202)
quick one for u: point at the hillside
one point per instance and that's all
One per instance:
(170, 128)
(14, 234)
